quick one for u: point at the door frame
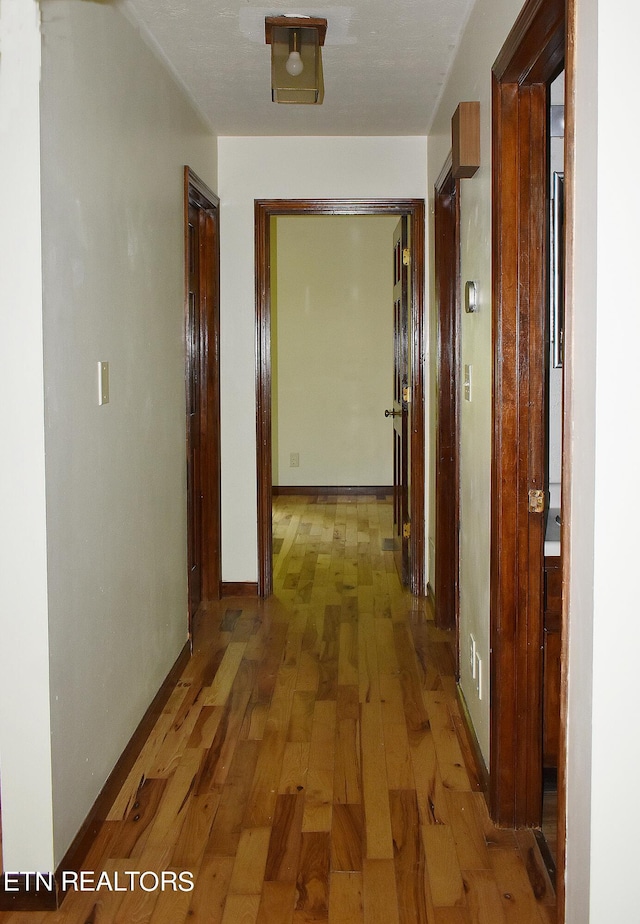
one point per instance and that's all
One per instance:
(197, 193)
(265, 209)
(447, 463)
(532, 55)
(401, 365)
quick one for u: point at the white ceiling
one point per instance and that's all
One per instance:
(385, 62)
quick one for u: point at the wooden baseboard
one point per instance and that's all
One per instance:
(431, 597)
(317, 490)
(83, 840)
(473, 753)
(239, 589)
(26, 892)
(547, 857)
(20, 893)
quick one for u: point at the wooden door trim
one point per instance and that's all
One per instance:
(447, 493)
(535, 47)
(265, 209)
(531, 57)
(197, 193)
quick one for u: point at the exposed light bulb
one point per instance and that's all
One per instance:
(294, 65)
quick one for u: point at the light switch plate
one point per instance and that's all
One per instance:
(103, 383)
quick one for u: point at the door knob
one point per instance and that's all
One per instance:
(393, 413)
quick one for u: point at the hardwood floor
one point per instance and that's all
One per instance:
(308, 765)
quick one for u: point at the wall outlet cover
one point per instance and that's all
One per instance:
(103, 383)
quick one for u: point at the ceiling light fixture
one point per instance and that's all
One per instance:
(296, 60)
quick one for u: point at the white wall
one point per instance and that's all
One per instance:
(579, 494)
(604, 813)
(263, 168)
(116, 132)
(25, 749)
(332, 349)
(470, 79)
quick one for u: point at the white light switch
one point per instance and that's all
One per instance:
(103, 383)
(467, 382)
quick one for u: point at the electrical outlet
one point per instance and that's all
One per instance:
(472, 656)
(294, 460)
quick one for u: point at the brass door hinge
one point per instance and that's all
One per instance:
(536, 501)
(406, 530)
(406, 256)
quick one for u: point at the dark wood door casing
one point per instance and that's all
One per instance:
(532, 55)
(194, 324)
(447, 495)
(202, 383)
(401, 408)
(265, 209)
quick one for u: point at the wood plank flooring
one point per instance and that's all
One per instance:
(307, 767)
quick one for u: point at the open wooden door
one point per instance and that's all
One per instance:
(195, 326)
(447, 499)
(202, 381)
(401, 410)
(531, 57)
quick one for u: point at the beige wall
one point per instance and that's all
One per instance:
(470, 79)
(116, 132)
(332, 350)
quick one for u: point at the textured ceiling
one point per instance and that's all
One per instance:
(384, 62)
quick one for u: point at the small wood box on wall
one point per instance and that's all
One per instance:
(465, 140)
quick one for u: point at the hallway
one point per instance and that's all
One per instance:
(309, 765)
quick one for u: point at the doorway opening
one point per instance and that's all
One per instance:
(412, 211)
(202, 386)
